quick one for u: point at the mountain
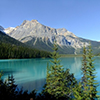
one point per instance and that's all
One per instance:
(42, 37)
(9, 40)
(1, 29)
(12, 48)
(4, 38)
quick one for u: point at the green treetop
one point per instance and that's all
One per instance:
(87, 88)
(92, 83)
(59, 83)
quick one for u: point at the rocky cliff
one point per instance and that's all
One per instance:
(42, 37)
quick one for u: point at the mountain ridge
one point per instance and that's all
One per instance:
(42, 37)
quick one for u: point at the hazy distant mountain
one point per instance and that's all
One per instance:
(42, 37)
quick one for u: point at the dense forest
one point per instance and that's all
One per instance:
(60, 84)
(8, 51)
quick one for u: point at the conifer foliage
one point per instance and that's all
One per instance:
(91, 75)
(87, 88)
(84, 69)
(59, 83)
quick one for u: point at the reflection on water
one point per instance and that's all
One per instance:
(31, 73)
(74, 64)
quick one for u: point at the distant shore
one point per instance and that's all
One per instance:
(70, 55)
(73, 55)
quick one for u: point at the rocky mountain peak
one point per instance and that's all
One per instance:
(33, 30)
(42, 37)
(1, 28)
(34, 21)
(24, 22)
(9, 30)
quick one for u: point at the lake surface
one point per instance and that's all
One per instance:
(31, 73)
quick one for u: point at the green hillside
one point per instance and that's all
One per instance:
(7, 39)
(11, 48)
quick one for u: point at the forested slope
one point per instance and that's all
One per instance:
(11, 48)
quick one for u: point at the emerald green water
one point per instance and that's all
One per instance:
(31, 73)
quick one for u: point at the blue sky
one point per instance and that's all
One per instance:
(82, 17)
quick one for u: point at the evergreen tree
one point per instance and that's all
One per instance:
(91, 75)
(86, 90)
(59, 83)
(85, 73)
(80, 90)
(78, 93)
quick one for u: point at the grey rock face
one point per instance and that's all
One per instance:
(42, 37)
(33, 29)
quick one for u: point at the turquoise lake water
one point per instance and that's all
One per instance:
(31, 73)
